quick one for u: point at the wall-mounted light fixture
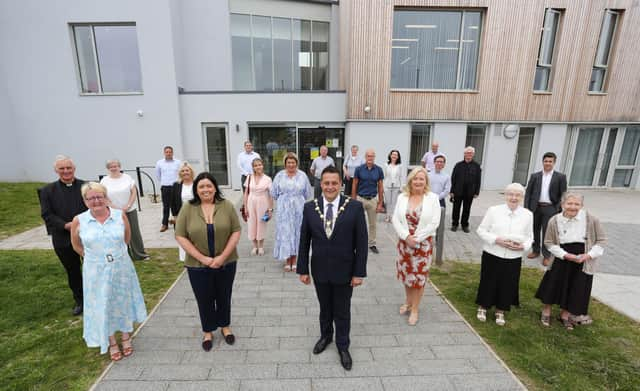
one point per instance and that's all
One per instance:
(140, 113)
(367, 109)
(510, 131)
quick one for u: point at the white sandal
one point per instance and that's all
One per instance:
(481, 314)
(500, 319)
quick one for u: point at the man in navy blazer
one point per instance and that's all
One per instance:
(334, 227)
(543, 198)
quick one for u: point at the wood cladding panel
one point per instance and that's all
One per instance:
(511, 31)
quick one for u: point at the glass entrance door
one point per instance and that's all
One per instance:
(604, 156)
(216, 153)
(309, 142)
(523, 155)
(272, 143)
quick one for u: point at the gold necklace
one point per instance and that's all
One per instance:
(327, 224)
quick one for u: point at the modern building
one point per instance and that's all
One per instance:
(97, 80)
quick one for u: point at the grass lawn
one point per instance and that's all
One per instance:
(41, 345)
(19, 207)
(603, 355)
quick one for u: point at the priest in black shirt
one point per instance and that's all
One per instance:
(465, 186)
(60, 201)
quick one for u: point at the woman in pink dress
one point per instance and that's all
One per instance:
(259, 205)
(415, 220)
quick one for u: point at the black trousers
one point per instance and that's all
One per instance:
(212, 289)
(165, 192)
(72, 264)
(540, 220)
(347, 186)
(317, 191)
(335, 307)
(465, 202)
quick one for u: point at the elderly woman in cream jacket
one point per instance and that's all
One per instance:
(415, 220)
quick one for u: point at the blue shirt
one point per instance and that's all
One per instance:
(368, 180)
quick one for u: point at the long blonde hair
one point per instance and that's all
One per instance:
(407, 188)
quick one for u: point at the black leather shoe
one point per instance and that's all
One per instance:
(230, 339)
(465, 229)
(321, 345)
(374, 249)
(77, 310)
(345, 359)
(454, 228)
(207, 344)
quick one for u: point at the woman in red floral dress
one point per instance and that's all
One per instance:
(415, 220)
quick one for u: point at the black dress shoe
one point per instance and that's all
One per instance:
(374, 249)
(77, 310)
(230, 339)
(345, 359)
(465, 229)
(454, 228)
(207, 344)
(321, 345)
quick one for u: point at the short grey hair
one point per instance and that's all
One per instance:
(515, 188)
(62, 158)
(470, 148)
(572, 194)
(112, 161)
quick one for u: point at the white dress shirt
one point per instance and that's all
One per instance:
(544, 188)
(167, 171)
(334, 208)
(245, 161)
(502, 222)
(574, 230)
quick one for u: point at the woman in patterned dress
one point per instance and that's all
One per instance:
(113, 300)
(415, 220)
(290, 188)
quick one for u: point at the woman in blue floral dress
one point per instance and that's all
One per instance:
(290, 188)
(113, 300)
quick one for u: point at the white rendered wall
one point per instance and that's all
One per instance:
(241, 108)
(51, 117)
(550, 138)
(203, 45)
(382, 137)
(451, 137)
(499, 158)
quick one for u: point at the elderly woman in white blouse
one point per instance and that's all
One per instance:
(122, 195)
(576, 240)
(507, 232)
(394, 179)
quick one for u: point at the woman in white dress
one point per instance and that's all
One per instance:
(182, 192)
(394, 179)
(122, 195)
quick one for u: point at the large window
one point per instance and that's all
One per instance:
(475, 139)
(435, 50)
(271, 53)
(542, 81)
(420, 134)
(603, 54)
(107, 58)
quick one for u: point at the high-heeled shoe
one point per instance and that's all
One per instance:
(254, 251)
(404, 309)
(127, 351)
(117, 355)
(413, 318)
(260, 251)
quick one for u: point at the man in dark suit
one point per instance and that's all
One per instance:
(334, 227)
(60, 201)
(465, 186)
(543, 196)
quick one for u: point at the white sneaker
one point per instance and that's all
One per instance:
(500, 319)
(481, 314)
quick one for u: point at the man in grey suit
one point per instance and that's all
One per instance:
(543, 195)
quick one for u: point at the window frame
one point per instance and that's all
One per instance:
(96, 63)
(427, 148)
(293, 53)
(612, 47)
(485, 128)
(481, 32)
(551, 65)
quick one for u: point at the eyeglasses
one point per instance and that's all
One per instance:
(95, 198)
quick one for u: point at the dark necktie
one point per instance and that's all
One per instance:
(329, 216)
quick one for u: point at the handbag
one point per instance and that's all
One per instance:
(243, 209)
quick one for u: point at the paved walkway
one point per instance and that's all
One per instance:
(275, 320)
